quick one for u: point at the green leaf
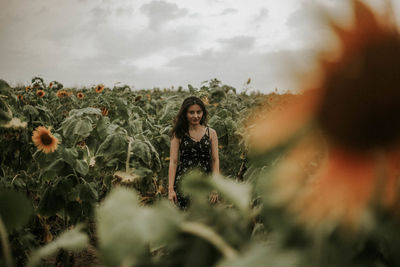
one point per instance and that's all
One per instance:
(74, 126)
(15, 209)
(88, 192)
(69, 155)
(142, 151)
(114, 144)
(237, 193)
(74, 210)
(73, 239)
(30, 110)
(82, 127)
(4, 116)
(50, 202)
(81, 166)
(52, 170)
(125, 229)
(85, 111)
(102, 125)
(259, 255)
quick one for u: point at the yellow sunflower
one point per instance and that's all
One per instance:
(80, 95)
(62, 93)
(50, 84)
(99, 88)
(27, 88)
(355, 108)
(44, 140)
(40, 93)
(20, 97)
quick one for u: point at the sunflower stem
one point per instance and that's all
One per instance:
(5, 245)
(205, 232)
(128, 157)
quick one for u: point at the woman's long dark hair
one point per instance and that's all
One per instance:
(181, 124)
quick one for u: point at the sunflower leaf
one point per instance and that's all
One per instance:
(15, 209)
(73, 239)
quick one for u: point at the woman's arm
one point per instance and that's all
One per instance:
(214, 152)
(213, 198)
(173, 164)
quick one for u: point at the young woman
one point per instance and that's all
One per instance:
(195, 144)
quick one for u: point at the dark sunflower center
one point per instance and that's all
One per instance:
(46, 139)
(360, 109)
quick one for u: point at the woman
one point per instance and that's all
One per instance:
(197, 147)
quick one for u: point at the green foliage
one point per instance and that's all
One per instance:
(127, 232)
(121, 137)
(70, 240)
(15, 209)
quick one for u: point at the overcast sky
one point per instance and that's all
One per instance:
(163, 43)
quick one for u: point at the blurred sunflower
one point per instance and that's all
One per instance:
(355, 108)
(80, 95)
(40, 93)
(27, 88)
(44, 140)
(62, 93)
(99, 88)
(50, 84)
(20, 97)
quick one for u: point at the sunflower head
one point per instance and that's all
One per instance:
(80, 95)
(27, 88)
(359, 105)
(62, 93)
(20, 97)
(50, 84)
(99, 88)
(44, 140)
(40, 93)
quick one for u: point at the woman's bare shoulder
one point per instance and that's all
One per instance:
(175, 139)
(212, 131)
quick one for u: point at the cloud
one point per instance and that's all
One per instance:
(238, 43)
(227, 11)
(262, 14)
(308, 29)
(158, 43)
(268, 70)
(160, 12)
(124, 11)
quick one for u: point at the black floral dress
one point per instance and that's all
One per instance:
(192, 154)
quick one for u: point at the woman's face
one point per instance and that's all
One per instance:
(194, 114)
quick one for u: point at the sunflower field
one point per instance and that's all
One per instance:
(307, 179)
(63, 150)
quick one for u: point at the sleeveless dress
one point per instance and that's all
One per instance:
(192, 154)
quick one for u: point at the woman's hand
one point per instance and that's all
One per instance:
(172, 196)
(213, 197)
